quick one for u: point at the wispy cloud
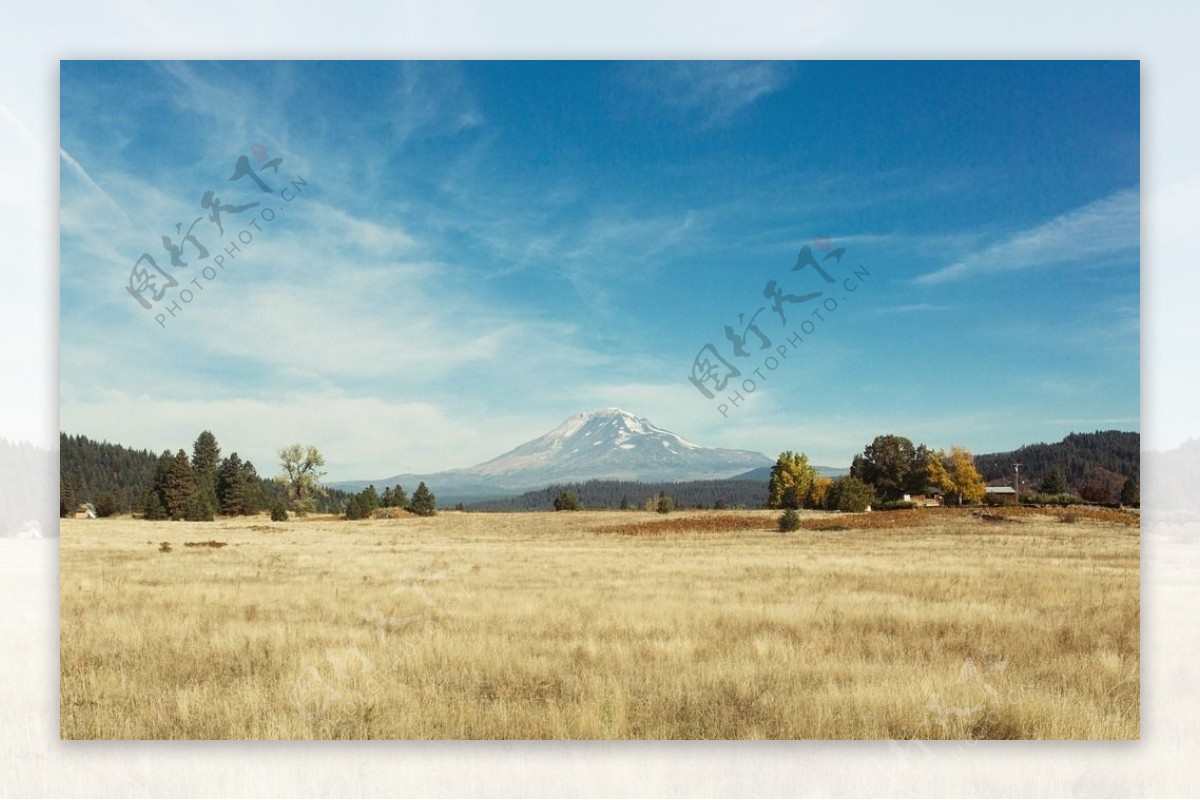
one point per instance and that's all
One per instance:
(1101, 228)
(911, 308)
(432, 99)
(713, 92)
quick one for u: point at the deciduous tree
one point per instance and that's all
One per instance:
(301, 474)
(792, 481)
(893, 466)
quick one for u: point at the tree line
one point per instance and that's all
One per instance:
(887, 470)
(1099, 467)
(113, 479)
(619, 494)
(364, 504)
(892, 468)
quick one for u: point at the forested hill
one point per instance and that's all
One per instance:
(90, 469)
(633, 494)
(1079, 455)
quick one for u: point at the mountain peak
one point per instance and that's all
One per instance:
(613, 443)
(605, 444)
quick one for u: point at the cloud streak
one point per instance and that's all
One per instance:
(715, 92)
(1100, 229)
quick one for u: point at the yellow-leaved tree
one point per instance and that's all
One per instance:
(956, 475)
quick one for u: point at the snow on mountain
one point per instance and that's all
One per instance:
(605, 444)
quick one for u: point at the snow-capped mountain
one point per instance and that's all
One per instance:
(611, 443)
(608, 443)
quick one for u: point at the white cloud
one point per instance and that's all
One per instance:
(1101, 228)
(713, 92)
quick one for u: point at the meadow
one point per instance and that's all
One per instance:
(935, 624)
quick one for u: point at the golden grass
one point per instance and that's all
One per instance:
(544, 626)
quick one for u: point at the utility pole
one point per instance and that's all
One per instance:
(1017, 481)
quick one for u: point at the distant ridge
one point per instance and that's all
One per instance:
(606, 444)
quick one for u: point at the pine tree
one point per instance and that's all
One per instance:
(206, 459)
(1130, 495)
(370, 500)
(254, 499)
(66, 498)
(849, 493)
(399, 498)
(424, 504)
(231, 486)
(1054, 483)
(179, 492)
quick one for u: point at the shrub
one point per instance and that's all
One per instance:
(665, 504)
(1051, 499)
(106, 506)
(789, 521)
(850, 494)
(198, 510)
(278, 511)
(153, 508)
(355, 508)
(895, 505)
(567, 501)
(164, 547)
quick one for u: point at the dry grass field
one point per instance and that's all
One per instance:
(598, 625)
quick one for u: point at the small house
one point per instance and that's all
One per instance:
(932, 497)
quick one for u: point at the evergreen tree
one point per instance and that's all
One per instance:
(231, 486)
(1054, 483)
(153, 508)
(369, 499)
(179, 492)
(66, 497)
(424, 504)
(1130, 495)
(399, 498)
(386, 497)
(567, 501)
(206, 459)
(849, 493)
(254, 497)
(789, 521)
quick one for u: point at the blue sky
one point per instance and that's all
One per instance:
(482, 249)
